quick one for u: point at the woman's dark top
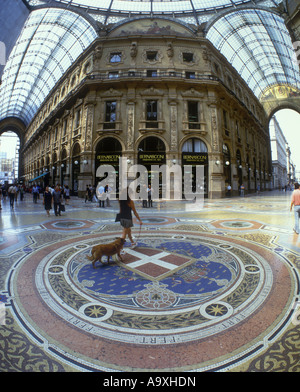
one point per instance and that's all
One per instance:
(125, 210)
(48, 200)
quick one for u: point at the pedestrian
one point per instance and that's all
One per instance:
(87, 194)
(56, 197)
(107, 190)
(228, 190)
(296, 203)
(12, 190)
(143, 191)
(242, 190)
(67, 194)
(101, 195)
(149, 192)
(35, 193)
(126, 208)
(47, 201)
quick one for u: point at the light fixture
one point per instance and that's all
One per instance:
(85, 162)
(218, 163)
(76, 162)
(62, 165)
(227, 163)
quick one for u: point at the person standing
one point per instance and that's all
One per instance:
(295, 201)
(242, 190)
(56, 195)
(47, 200)
(101, 195)
(149, 191)
(126, 209)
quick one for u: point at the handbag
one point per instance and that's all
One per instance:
(118, 217)
(62, 208)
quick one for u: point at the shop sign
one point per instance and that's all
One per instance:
(152, 158)
(190, 158)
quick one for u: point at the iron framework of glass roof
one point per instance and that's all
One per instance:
(51, 40)
(254, 40)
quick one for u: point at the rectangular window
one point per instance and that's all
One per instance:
(65, 126)
(55, 133)
(225, 119)
(152, 55)
(193, 116)
(115, 57)
(151, 115)
(151, 73)
(113, 75)
(110, 115)
(188, 57)
(190, 75)
(77, 119)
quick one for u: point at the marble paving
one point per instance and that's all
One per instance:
(210, 290)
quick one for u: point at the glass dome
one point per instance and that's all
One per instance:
(251, 34)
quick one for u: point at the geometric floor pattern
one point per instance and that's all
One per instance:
(216, 290)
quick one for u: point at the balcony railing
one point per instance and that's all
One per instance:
(159, 74)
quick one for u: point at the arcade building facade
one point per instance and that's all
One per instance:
(156, 92)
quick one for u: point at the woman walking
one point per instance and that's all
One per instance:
(47, 200)
(126, 209)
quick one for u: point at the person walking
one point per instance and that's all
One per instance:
(47, 200)
(12, 190)
(126, 208)
(295, 201)
(56, 195)
(67, 194)
(35, 193)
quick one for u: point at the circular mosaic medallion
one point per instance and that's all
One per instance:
(171, 290)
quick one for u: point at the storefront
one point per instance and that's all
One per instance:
(152, 152)
(194, 153)
(108, 152)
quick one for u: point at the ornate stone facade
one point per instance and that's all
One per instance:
(156, 86)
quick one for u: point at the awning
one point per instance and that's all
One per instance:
(42, 175)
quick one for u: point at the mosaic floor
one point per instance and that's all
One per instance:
(215, 289)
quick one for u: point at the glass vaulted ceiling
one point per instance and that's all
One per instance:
(50, 42)
(249, 33)
(258, 45)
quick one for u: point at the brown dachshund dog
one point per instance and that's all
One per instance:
(106, 250)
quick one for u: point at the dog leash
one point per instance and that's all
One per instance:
(138, 237)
